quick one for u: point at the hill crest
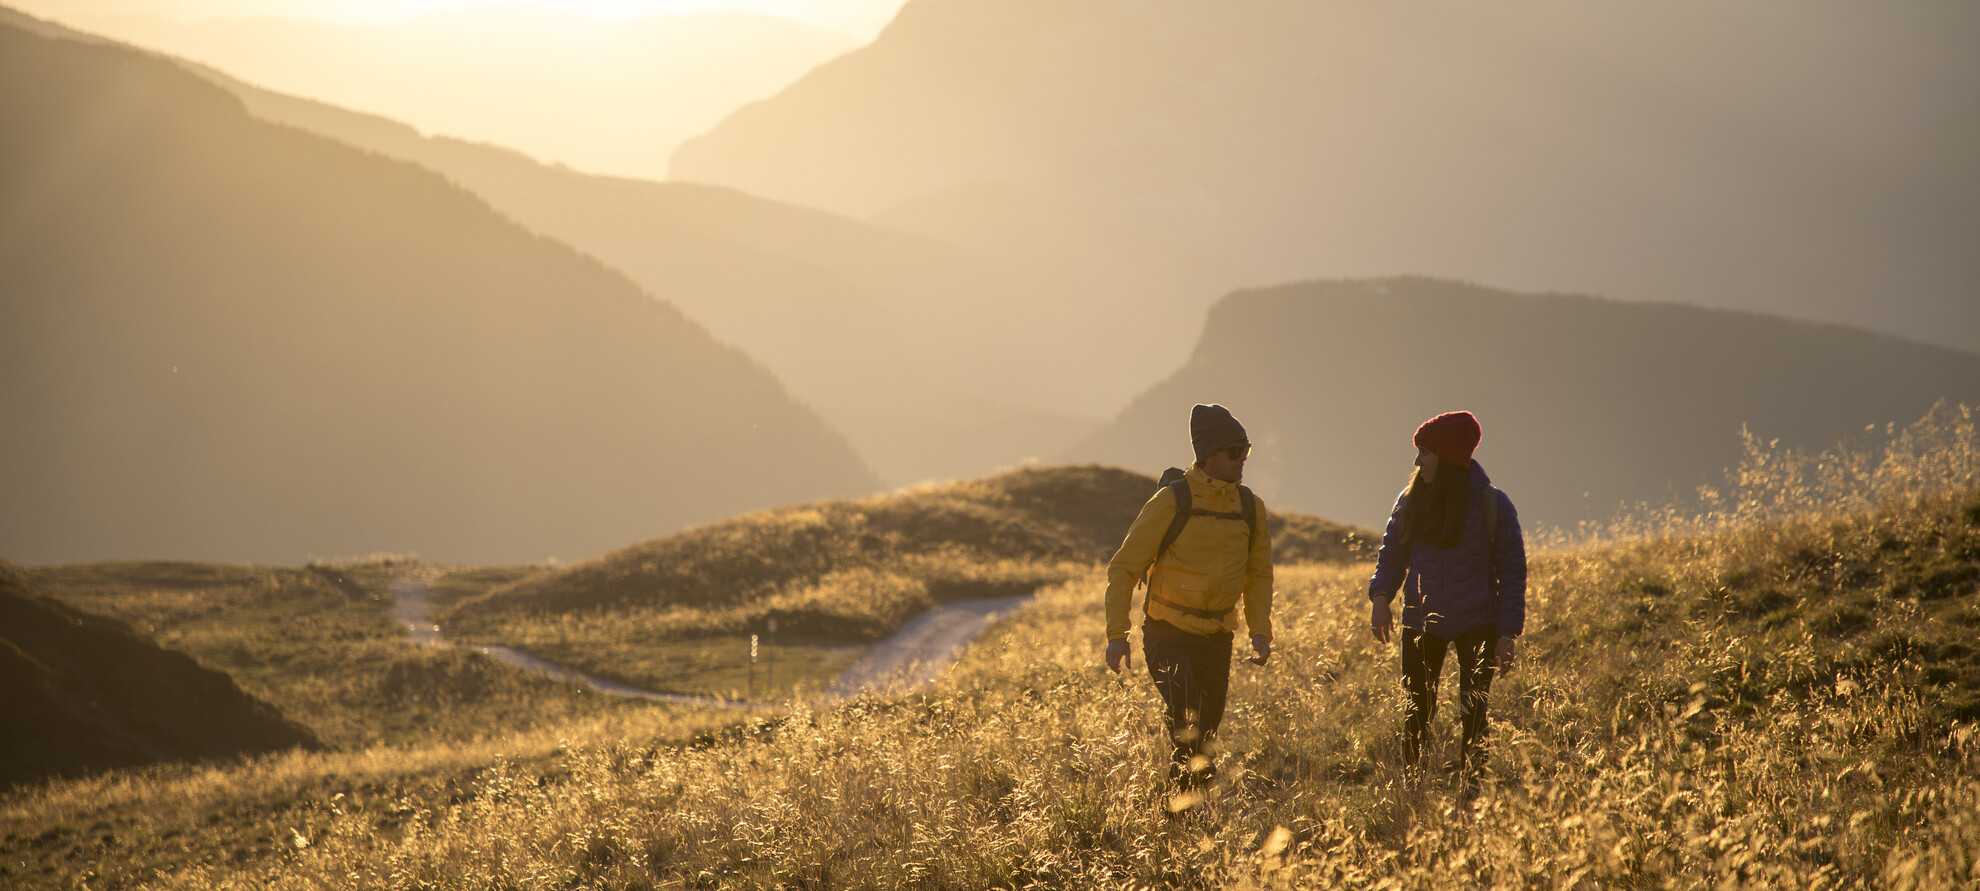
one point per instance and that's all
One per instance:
(85, 693)
(1586, 403)
(996, 536)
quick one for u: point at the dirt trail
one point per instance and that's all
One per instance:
(923, 648)
(913, 656)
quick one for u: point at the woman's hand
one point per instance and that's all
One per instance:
(1380, 623)
(1502, 653)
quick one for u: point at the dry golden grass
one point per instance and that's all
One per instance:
(675, 614)
(126, 829)
(319, 643)
(1788, 702)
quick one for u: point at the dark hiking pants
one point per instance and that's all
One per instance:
(1423, 663)
(1193, 674)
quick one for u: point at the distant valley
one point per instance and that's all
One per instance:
(1803, 158)
(935, 361)
(964, 330)
(227, 339)
(1587, 404)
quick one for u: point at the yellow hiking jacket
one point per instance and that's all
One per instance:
(1208, 567)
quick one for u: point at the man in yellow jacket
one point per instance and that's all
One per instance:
(1199, 572)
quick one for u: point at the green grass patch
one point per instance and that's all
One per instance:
(706, 666)
(319, 643)
(457, 585)
(830, 574)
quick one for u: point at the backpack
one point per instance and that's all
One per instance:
(1174, 480)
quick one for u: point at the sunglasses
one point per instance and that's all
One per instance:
(1237, 452)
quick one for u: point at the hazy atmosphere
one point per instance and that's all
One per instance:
(378, 373)
(983, 236)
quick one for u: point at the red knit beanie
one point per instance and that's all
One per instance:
(1451, 436)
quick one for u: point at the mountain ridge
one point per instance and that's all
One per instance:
(795, 287)
(290, 367)
(1803, 159)
(603, 95)
(1587, 403)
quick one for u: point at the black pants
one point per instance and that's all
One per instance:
(1193, 674)
(1423, 663)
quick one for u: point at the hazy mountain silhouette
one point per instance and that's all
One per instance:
(936, 362)
(1585, 402)
(598, 94)
(1810, 158)
(226, 339)
(905, 343)
(84, 693)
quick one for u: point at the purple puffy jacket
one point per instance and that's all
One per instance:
(1447, 592)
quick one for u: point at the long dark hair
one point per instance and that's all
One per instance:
(1433, 510)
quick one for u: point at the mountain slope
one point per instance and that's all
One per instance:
(900, 341)
(612, 95)
(903, 342)
(1807, 159)
(1585, 402)
(84, 693)
(227, 339)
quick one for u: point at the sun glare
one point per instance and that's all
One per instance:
(858, 18)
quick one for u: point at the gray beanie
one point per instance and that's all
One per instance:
(1211, 427)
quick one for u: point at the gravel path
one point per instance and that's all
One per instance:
(923, 648)
(915, 655)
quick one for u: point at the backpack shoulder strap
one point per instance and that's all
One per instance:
(1250, 503)
(1185, 503)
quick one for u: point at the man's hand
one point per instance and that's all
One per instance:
(1261, 645)
(1502, 653)
(1119, 657)
(1380, 623)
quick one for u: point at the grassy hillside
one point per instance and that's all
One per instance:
(319, 643)
(1664, 151)
(85, 693)
(1762, 696)
(1587, 404)
(131, 829)
(832, 573)
(234, 340)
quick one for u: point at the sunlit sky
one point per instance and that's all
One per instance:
(858, 18)
(566, 83)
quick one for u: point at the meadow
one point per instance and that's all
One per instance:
(676, 613)
(319, 643)
(1774, 687)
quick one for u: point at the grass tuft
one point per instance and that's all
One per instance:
(1781, 699)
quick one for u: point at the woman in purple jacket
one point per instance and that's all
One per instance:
(1453, 547)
